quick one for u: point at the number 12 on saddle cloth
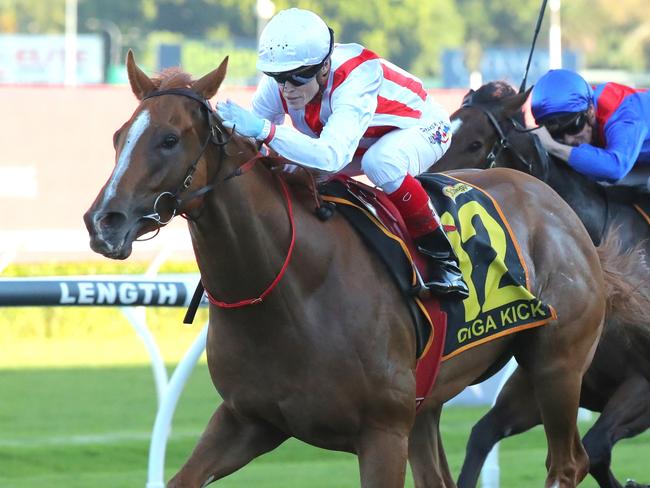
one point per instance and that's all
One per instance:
(500, 300)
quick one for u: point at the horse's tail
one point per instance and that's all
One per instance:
(626, 280)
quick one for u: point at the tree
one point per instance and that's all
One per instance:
(612, 37)
(410, 33)
(201, 18)
(32, 16)
(497, 23)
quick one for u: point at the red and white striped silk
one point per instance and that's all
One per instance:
(365, 98)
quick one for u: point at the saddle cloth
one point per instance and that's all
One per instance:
(500, 300)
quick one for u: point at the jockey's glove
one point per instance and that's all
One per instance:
(244, 122)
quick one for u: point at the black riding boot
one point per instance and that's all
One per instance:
(446, 278)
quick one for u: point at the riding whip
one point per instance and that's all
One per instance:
(540, 17)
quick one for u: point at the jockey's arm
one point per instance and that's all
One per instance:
(624, 135)
(353, 105)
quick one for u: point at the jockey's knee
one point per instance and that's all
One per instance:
(385, 166)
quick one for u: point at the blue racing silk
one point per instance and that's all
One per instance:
(622, 138)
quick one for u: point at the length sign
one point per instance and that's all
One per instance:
(96, 291)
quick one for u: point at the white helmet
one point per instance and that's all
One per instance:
(292, 39)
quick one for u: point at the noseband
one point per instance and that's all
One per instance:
(215, 134)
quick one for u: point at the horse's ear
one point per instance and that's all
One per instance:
(513, 104)
(467, 99)
(141, 84)
(208, 85)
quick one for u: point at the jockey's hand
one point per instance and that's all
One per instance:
(553, 147)
(243, 121)
(544, 137)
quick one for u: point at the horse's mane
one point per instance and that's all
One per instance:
(172, 78)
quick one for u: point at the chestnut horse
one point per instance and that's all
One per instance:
(328, 355)
(488, 132)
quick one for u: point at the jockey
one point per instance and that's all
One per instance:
(601, 133)
(352, 112)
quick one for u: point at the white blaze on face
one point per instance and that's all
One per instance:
(456, 125)
(135, 132)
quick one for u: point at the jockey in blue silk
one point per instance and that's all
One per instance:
(601, 133)
(351, 112)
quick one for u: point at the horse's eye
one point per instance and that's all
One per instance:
(169, 141)
(475, 146)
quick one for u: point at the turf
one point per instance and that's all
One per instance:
(77, 404)
(79, 426)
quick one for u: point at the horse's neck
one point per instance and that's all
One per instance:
(242, 235)
(584, 196)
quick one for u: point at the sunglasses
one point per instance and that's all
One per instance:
(304, 74)
(565, 125)
(296, 77)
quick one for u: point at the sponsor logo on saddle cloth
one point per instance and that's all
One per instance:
(500, 301)
(452, 191)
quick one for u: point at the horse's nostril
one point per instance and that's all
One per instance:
(109, 220)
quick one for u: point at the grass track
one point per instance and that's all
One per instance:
(80, 427)
(65, 424)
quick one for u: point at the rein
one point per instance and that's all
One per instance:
(285, 265)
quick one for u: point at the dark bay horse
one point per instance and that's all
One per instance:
(328, 355)
(618, 382)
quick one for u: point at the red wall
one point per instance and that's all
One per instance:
(66, 135)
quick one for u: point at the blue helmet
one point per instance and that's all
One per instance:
(558, 92)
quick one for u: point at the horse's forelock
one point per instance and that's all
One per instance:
(493, 91)
(173, 78)
(491, 96)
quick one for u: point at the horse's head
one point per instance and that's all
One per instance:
(487, 131)
(160, 158)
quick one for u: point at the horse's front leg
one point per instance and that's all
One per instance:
(382, 456)
(228, 443)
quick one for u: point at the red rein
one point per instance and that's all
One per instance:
(269, 289)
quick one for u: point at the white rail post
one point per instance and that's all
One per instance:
(162, 424)
(138, 319)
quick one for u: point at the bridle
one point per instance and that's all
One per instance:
(216, 135)
(501, 143)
